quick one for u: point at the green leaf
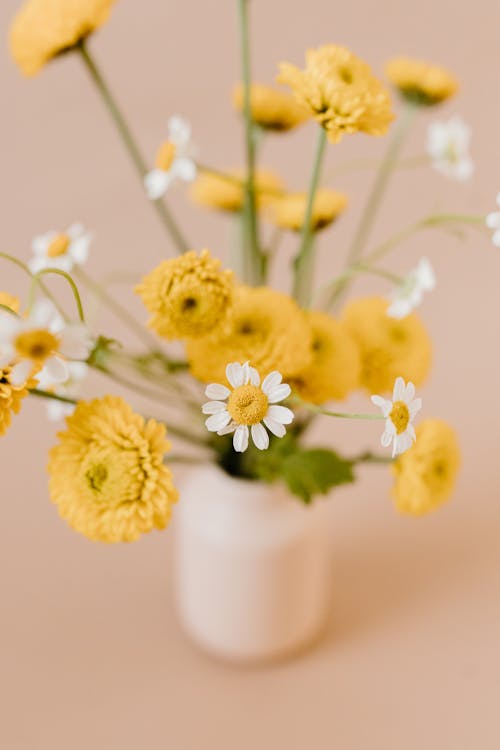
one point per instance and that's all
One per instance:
(309, 472)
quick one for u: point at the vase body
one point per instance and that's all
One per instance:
(252, 566)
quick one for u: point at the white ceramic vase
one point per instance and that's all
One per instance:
(252, 566)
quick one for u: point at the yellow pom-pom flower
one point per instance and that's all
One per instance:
(334, 369)
(188, 296)
(421, 82)
(107, 475)
(11, 396)
(289, 211)
(226, 192)
(340, 92)
(267, 328)
(10, 301)
(271, 108)
(388, 347)
(426, 474)
(43, 29)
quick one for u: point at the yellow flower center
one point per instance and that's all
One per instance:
(247, 404)
(37, 345)
(58, 246)
(96, 475)
(165, 156)
(400, 416)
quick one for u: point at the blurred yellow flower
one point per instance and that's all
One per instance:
(289, 210)
(340, 92)
(11, 396)
(226, 192)
(426, 474)
(388, 347)
(43, 29)
(188, 296)
(267, 329)
(334, 369)
(10, 301)
(421, 82)
(271, 108)
(107, 475)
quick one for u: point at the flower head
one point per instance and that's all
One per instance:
(62, 250)
(227, 193)
(334, 369)
(493, 222)
(289, 210)
(409, 294)
(10, 301)
(448, 146)
(426, 474)
(271, 108)
(388, 347)
(11, 396)
(248, 404)
(421, 82)
(266, 328)
(174, 159)
(340, 92)
(188, 296)
(399, 415)
(107, 475)
(43, 29)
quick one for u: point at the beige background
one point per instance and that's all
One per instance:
(91, 655)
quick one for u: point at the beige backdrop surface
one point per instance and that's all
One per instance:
(91, 655)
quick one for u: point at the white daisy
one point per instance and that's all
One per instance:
(174, 160)
(42, 341)
(247, 406)
(448, 146)
(61, 250)
(493, 222)
(57, 410)
(408, 295)
(399, 415)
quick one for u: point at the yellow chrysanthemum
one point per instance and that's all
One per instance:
(10, 301)
(334, 369)
(188, 296)
(388, 347)
(271, 108)
(421, 82)
(340, 91)
(43, 29)
(107, 475)
(289, 211)
(267, 328)
(11, 397)
(426, 474)
(226, 193)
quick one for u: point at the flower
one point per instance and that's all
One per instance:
(225, 192)
(388, 347)
(289, 210)
(426, 474)
(174, 160)
(11, 396)
(188, 296)
(266, 328)
(107, 475)
(493, 222)
(399, 415)
(43, 29)
(334, 368)
(41, 342)
(271, 108)
(448, 146)
(10, 301)
(248, 405)
(57, 410)
(340, 92)
(61, 250)
(420, 82)
(408, 295)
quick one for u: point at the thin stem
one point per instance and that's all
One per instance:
(177, 458)
(130, 144)
(58, 272)
(304, 263)
(54, 396)
(45, 290)
(337, 414)
(371, 458)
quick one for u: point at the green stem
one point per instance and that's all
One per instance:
(371, 458)
(130, 144)
(47, 394)
(47, 292)
(304, 263)
(58, 272)
(337, 414)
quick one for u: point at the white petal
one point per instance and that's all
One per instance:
(280, 414)
(235, 374)
(56, 369)
(218, 421)
(271, 381)
(38, 264)
(399, 308)
(409, 393)
(425, 274)
(401, 443)
(157, 183)
(260, 437)
(184, 169)
(228, 429)
(240, 439)
(42, 314)
(213, 407)
(6, 355)
(387, 437)
(496, 238)
(56, 410)
(279, 393)
(399, 389)
(41, 243)
(75, 230)
(383, 404)
(415, 407)
(253, 376)
(216, 391)
(78, 370)
(493, 220)
(79, 249)
(179, 130)
(76, 342)
(20, 372)
(275, 427)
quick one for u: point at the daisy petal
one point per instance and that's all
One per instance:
(281, 414)
(75, 342)
(56, 370)
(278, 393)
(383, 404)
(216, 391)
(213, 407)
(218, 421)
(271, 381)
(386, 438)
(240, 439)
(399, 389)
(228, 429)
(253, 376)
(235, 374)
(184, 168)
(20, 372)
(409, 393)
(157, 183)
(260, 437)
(275, 427)
(415, 407)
